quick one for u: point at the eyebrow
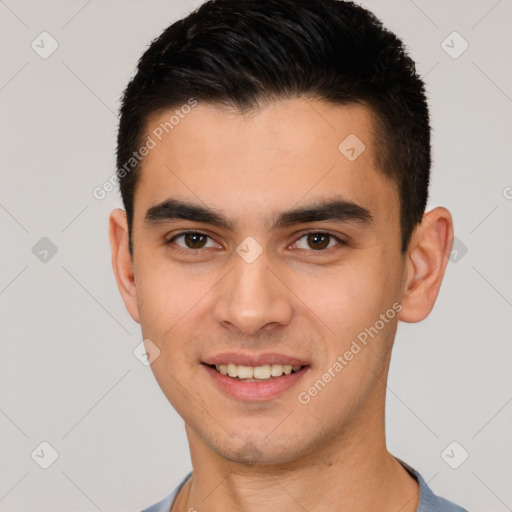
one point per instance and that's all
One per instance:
(338, 209)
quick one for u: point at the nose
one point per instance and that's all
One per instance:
(251, 299)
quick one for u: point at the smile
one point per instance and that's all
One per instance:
(255, 383)
(264, 372)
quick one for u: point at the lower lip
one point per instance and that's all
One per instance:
(255, 391)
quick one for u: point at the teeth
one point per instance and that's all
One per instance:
(232, 370)
(245, 372)
(263, 372)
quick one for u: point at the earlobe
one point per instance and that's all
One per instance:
(122, 262)
(427, 258)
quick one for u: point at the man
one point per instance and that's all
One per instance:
(274, 158)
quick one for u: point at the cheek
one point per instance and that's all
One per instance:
(166, 295)
(169, 305)
(357, 340)
(347, 298)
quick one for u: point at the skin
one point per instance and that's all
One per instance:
(295, 299)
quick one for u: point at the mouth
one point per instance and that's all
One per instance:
(268, 377)
(262, 373)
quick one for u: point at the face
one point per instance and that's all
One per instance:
(259, 239)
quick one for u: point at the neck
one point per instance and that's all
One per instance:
(353, 472)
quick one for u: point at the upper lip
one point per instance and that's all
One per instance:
(253, 360)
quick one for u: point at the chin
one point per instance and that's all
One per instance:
(258, 452)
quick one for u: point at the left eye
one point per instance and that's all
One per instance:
(318, 241)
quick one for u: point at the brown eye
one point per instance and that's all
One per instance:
(318, 241)
(194, 240)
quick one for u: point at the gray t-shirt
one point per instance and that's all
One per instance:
(429, 502)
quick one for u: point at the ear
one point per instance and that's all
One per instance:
(426, 260)
(122, 261)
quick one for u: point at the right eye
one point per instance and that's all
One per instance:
(192, 241)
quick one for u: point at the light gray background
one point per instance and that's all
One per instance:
(68, 375)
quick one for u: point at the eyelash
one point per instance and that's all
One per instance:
(198, 251)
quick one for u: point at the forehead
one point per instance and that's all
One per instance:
(258, 162)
